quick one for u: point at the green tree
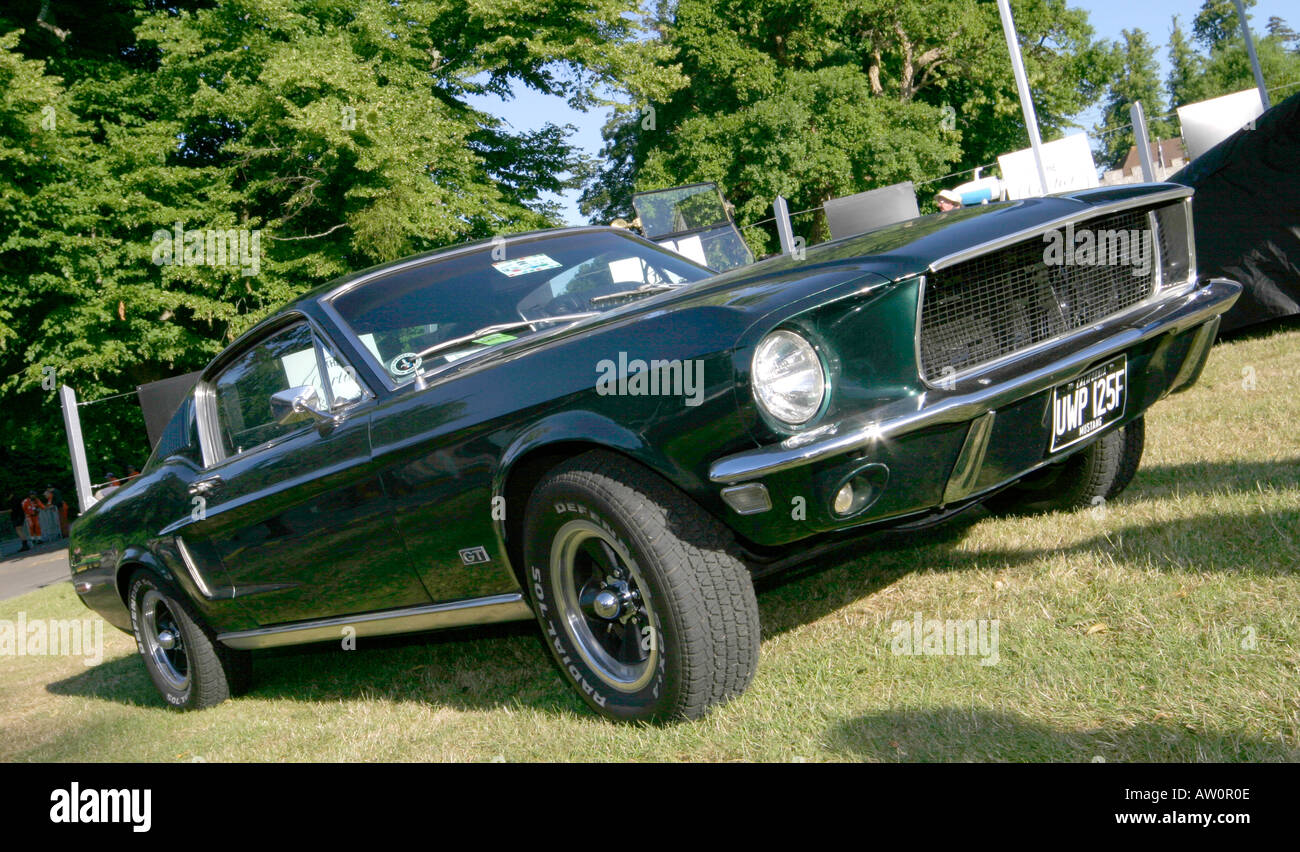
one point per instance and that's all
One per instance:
(1186, 81)
(1217, 22)
(1279, 29)
(817, 99)
(339, 132)
(1223, 65)
(1138, 80)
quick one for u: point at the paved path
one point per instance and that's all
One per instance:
(21, 573)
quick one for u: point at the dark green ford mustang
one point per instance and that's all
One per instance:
(582, 427)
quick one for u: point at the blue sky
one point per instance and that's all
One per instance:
(530, 110)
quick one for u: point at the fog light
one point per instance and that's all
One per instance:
(748, 499)
(844, 500)
(860, 490)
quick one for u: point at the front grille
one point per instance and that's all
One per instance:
(1011, 299)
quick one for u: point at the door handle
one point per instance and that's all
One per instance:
(204, 487)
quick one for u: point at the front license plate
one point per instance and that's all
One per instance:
(1082, 406)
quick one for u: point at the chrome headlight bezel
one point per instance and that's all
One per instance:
(786, 409)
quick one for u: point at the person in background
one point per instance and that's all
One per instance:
(111, 479)
(32, 509)
(948, 200)
(18, 518)
(54, 498)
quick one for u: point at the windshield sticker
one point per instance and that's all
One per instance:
(525, 265)
(405, 364)
(494, 339)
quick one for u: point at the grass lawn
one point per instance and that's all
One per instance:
(1163, 626)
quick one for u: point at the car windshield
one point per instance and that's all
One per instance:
(417, 319)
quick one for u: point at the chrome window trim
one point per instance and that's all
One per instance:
(205, 414)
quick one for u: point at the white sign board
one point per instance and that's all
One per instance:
(688, 247)
(1208, 123)
(1068, 163)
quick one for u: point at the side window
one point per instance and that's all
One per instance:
(179, 438)
(244, 389)
(344, 389)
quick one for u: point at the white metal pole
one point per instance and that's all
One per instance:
(783, 229)
(1142, 140)
(76, 448)
(1022, 85)
(1250, 51)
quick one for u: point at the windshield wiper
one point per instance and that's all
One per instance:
(457, 342)
(643, 290)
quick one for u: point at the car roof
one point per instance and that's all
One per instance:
(304, 303)
(328, 288)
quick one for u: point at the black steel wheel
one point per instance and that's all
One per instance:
(643, 604)
(187, 664)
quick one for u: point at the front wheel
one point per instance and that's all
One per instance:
(1093, 475)
(640, 601)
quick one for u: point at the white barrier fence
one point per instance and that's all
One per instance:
(51, 529)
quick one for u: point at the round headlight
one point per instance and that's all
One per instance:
(788, 378)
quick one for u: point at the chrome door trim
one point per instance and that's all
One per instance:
(192, 569)
(486, 610)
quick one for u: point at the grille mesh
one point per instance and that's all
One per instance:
(1010, 299)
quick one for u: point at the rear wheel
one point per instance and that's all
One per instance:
(640, 601)
(187, 664)
(1097, 473)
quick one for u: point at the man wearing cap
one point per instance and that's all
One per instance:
(948, 200)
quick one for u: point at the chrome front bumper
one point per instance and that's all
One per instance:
(1005, 383)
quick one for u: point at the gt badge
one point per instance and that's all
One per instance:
(474, 556)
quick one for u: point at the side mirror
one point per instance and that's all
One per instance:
(298, 404)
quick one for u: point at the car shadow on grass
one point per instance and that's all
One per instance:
(1257, 542)
(121, 679)
(475, 668)
(950, 734)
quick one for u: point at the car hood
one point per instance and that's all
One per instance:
(893, 253)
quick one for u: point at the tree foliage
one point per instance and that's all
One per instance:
(1138, 80)
(1221, 65)
(812, 100)
(339, 131)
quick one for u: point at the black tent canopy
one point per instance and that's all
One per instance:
(1247, 211)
